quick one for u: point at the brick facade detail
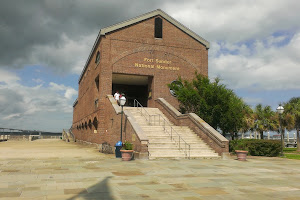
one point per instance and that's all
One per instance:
(133, 50)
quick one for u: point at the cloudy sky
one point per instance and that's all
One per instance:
(255, 50)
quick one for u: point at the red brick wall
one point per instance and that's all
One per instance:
(119, 51)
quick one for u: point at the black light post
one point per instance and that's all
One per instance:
(280, 110)
(119, 144)
(122, 103)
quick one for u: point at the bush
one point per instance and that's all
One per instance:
(128, 146)
(255, 147)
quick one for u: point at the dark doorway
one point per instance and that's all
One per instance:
(133, 86)
(138, 92)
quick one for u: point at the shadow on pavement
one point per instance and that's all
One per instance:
(99, 191)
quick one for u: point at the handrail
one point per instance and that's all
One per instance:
(137, 104)
(64, 135)
(71, 133)
(166, 124)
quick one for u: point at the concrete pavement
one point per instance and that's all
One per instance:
(53, 169)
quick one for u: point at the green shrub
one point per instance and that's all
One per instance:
(128, 146)
(255, 147)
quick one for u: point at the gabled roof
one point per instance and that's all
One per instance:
(152, 14)
(140, 18)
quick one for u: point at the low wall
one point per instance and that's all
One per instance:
(27, 137)
(208, 134)
(131, 130)
(4, 137)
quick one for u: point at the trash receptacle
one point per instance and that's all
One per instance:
(118, 148)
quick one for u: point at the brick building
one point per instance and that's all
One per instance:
(137, 57)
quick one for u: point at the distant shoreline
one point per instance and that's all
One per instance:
(31, 133)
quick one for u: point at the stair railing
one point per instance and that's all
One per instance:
(166, 125)
(142, 110)
(168, 128)
(65, 135)
(72, 134)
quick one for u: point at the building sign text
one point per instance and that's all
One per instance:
(156, 63)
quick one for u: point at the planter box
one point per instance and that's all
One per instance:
(127, 155)
(241, 155)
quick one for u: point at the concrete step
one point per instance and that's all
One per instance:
(176, 146)
(166, 154)
(160, 143)
(185, 137)
(173, 148)
(168, 151)
(182, 156)
(163, 140)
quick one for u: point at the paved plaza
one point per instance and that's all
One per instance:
(53, 169)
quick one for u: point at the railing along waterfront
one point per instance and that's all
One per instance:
(182, 144)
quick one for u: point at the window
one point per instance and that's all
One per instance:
(90, 124)
(175, 84)
(158, 28)
(96, 103)
(97, 57)
(97, 82)
(95, 123)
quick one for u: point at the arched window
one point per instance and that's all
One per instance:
(90, 124)
(95, 123)
(97, 57)
(158, 28)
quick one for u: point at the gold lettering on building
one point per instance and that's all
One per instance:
(148, 59)
(156, 63)
(143, 65)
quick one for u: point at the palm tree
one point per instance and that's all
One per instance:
(264, 119)
(292, 107)
(248, 119)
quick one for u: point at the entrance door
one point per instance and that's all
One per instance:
(132, 86)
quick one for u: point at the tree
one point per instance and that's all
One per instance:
(264, 119)
(212, 101)
(248, 119)
(292, 107)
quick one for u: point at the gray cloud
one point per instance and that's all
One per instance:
(60, 34)
(40, 107)
(10, 102)
(30, 30)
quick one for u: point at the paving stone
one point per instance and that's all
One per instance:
(75, 191)
(83, 173)
(210, 191)
(9, 194)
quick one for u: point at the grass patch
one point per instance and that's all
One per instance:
(291, 153)
(289, 150)
(292, 156)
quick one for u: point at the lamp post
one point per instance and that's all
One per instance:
(122, 103)
(280, 110)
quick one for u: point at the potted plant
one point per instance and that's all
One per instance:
(127, 151)
(242, 152)
(241, 155)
